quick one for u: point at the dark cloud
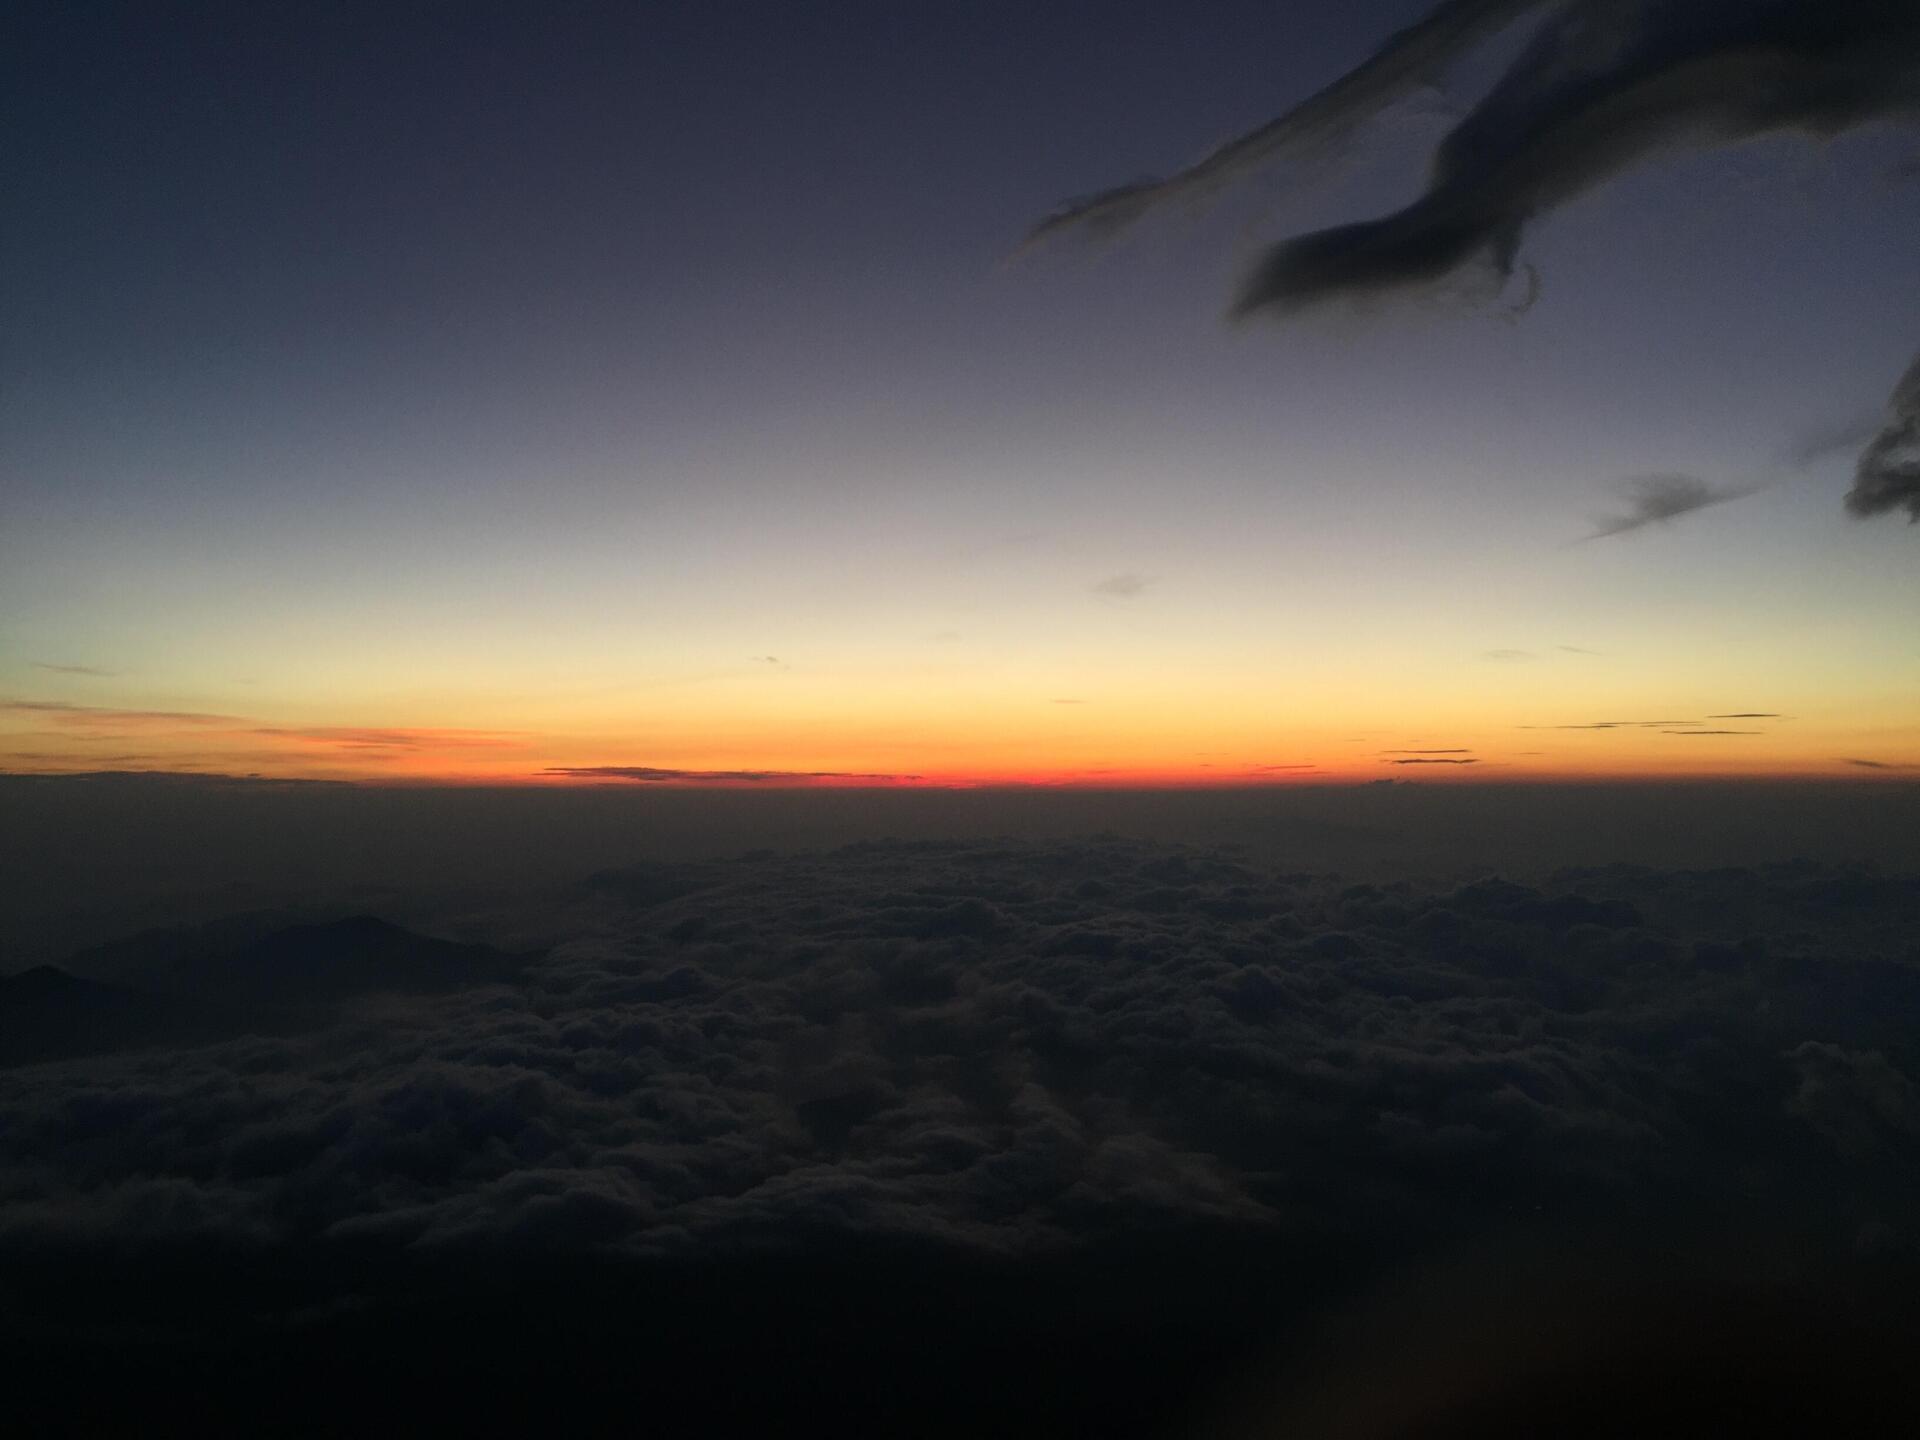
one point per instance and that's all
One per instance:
(75, 670)
(1880, 765)
(1426, 752)
(1507, 656)
(1712, 732)
(1602, 86)
(656, 775)
(1888, 475)
(1576, 650)
(1125, 586)
(1748, 715)
(1656, 499)
(1432, 761)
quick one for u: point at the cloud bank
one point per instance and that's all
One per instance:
(716, 1129)
(657, 775)
(1001, 1047)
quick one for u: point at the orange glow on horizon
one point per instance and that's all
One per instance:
(836, 741)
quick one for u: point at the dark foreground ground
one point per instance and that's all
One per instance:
(1018, 1135)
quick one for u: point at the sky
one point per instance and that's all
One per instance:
(654, 395)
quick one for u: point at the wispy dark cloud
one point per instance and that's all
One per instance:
(1427, 752)
(1576, 650)
(1431, 760)
(1128, 585)
(1656, 499)
(1888, 475)
(659, 775)
(87, 670)
(1713, 732)
(1507, 657)
(1747, 715)
(1879, 764)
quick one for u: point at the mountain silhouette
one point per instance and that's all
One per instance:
(327, 963)
(195, 987)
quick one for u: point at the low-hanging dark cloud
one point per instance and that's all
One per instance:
(1657, 499)
(1431, 760)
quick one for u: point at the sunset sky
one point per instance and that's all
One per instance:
(665, 404)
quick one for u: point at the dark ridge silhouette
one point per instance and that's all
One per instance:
(309, 964)
(197, 985)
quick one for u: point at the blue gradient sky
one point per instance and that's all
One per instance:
(542, 370)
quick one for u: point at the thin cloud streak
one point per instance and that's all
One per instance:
(1658, 499)
(661, 775)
